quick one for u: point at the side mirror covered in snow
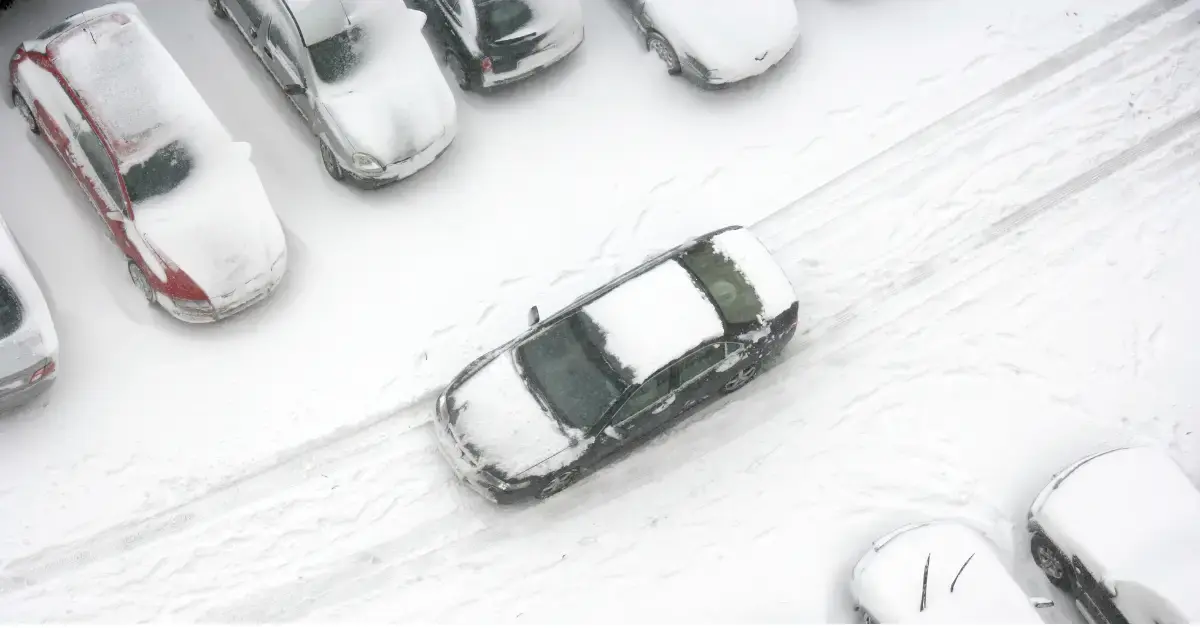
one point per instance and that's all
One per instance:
(534, 316)
(614, 433)
(1041, 602)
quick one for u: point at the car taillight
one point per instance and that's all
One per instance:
(43, 372)
(486, 64)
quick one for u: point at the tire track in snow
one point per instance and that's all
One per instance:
(301, 462)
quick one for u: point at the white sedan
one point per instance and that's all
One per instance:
(28, 341)
(939, 572)
(1120, 532)
(717, 42)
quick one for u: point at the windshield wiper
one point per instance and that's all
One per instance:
(925, 582)
(960, 570)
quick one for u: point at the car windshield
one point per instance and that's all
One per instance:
(10, 309)
(571, 370)
(735, 297)
(339, 56)
(500, 18)
(159, 173)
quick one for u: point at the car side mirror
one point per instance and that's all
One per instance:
(114, 215)
(534, 316)
(615, 433)
(293, 90)
(1041, 602)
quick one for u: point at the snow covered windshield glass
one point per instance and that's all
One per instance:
(734, 296)
(569, 367)
(159, 173)
(500, 18)
(337, 57)
(10, 310)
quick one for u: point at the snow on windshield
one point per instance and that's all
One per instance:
(655, 318)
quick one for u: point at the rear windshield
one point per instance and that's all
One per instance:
(500, 18)
(10, 309)
(735, 297)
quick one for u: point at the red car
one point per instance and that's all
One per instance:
(180, 197)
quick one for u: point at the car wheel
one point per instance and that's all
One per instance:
(329, 160)
(665, 51)
(458, 69)
(218, 9)
(558, 483)
(743, 377)
(26, 112)
(141, 283)
(1051, 561)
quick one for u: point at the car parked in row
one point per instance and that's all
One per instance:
(1120, 532)
(362, 77)
(489, 43)
(617, 366)
(939, 572)
(28, 339)
(179, 197)
(717, 42)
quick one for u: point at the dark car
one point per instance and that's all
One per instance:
(489, 43)
(616, 367)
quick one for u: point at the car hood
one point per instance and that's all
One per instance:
(730, 37)
(398, 103)
(496, 416)
(218, 227)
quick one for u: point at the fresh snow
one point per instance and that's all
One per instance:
(498, 415)
(993, 242)
(761, 270)
(736, 39)
(655, 318)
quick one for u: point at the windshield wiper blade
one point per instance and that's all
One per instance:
(925, 582)
(960, 570)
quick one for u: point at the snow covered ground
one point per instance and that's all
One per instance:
(993, 242)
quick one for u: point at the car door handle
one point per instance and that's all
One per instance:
(670, 399)
(254, 33)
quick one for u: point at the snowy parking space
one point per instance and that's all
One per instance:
(987, 211)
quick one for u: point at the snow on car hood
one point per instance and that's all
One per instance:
(727, 36)
(888, 580)
(495, 413)
(218, 226)
(398, 103)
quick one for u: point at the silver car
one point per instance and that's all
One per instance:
(28, 340)
(361, 75)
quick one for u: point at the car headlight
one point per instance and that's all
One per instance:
(491, 480)
(367, 163)
(193, 307)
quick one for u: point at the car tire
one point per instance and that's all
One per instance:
(141, 283)
(329, 160)
(26, 112)
(665, 51)
(218, 9)
(556, 483)
(740, 379)
(458, 70)
(1051, 561)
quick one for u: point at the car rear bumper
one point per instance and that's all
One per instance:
(534, 63)
(17, 389)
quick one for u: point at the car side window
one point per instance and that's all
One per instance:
(253, 12)
(97, 155)
(645, 396)
(276, 38)
(704, 359)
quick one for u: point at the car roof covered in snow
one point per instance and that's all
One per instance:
(131, 85)
(888, 580)
(1132, 516)
(654, 318)
(318, 20)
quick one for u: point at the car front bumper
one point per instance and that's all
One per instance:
(406, 167)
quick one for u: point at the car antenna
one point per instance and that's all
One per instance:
(960, 570)
(925, 581)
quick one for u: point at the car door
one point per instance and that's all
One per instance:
(702, 373)
(639, 415)
(247, 16)
(453, 25)
(103, 183)
(285, 64)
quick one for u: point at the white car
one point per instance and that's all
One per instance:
(717, 42)
(939, 572)
(178, 195)
(1120, 532)
(28, 341)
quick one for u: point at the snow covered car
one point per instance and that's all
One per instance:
(717, 42)
(939, 572)
(616, 366)
(28, 341)
(490, 43)
(361, 75)
(179, 196)
(1120, 532)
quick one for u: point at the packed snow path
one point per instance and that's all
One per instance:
(993, 297)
